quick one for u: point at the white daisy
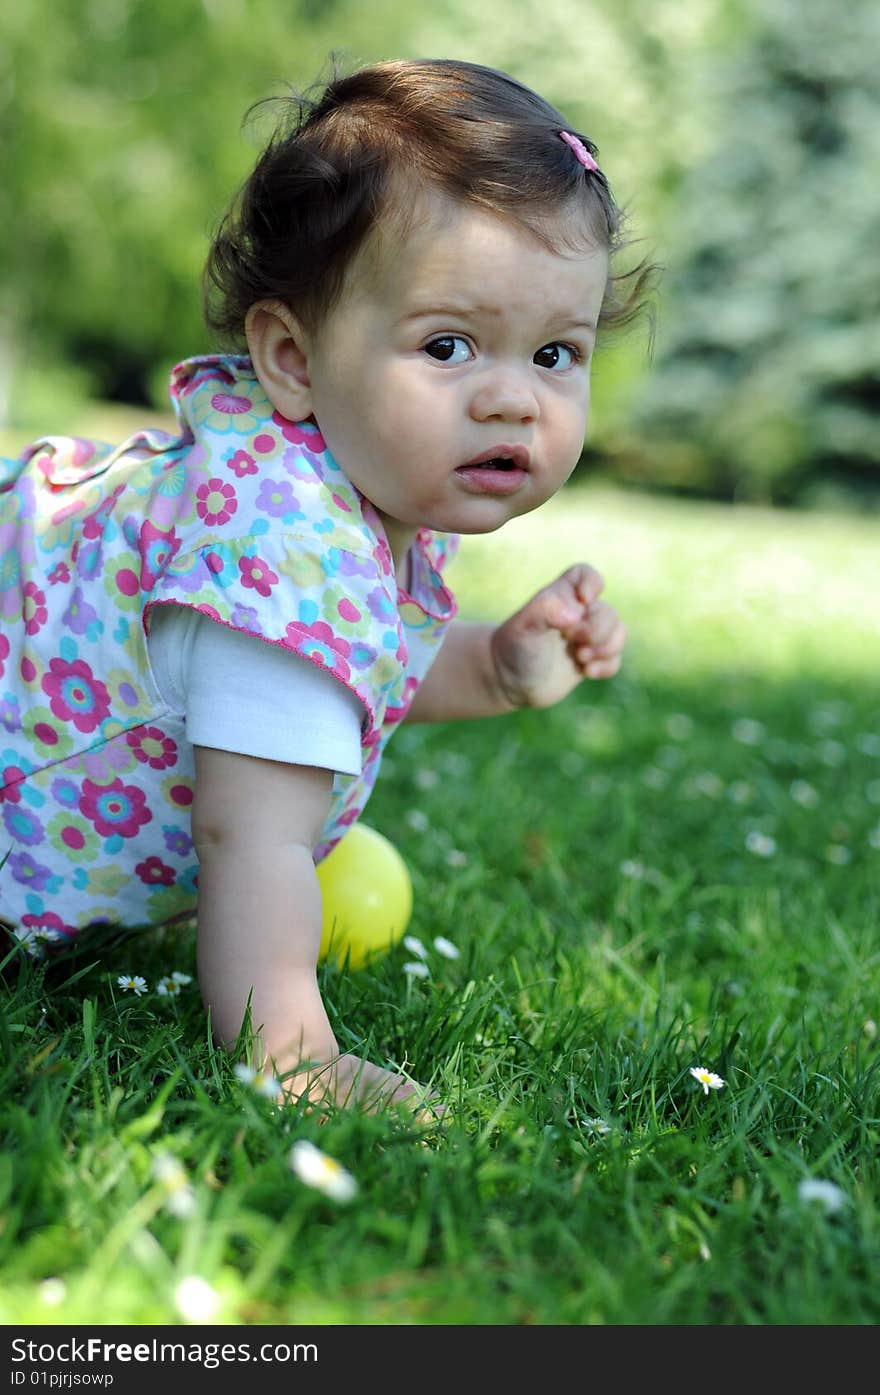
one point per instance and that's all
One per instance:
(180, 1199)
(319, 1170)
(414, 968)
(134, 983)
(826, 1195)
(259, 1082)
(679, 726)
(748, 732)
(803, 793)
(415, 946)
(707, 1078)
(761, 844)
(195, 1299)
(52, 1292)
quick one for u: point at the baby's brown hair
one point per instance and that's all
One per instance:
(337, 163)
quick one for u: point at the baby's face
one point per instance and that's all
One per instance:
(451, 381)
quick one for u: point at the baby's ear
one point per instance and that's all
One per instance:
(276, 344)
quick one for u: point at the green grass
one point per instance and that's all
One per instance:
(678, 867)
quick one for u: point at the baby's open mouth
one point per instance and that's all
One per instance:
(504, 457)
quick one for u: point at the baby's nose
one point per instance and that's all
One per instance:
(506, 393)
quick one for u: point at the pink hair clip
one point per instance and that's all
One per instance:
(580, 150)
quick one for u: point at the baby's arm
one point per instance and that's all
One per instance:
(255, 823)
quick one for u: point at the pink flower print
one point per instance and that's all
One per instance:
(397, 714)
(318, 642)
(116, 808)
(221, 564)
(231, 404)
(157, 548)
(257, 574)
(241, 408)
(228, 411)
(51, 926)
(386, 558)
(191, 373)
(301, 433)
(241, 464)
(95, 524)
(61, 572)
(75, 694)
(152, 747)
(154, 872)
(4, 653)
(33, 610)
(215, 502)
(10, 789)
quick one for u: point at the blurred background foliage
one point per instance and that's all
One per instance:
(742, 136)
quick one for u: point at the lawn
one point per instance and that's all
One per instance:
(674, 869)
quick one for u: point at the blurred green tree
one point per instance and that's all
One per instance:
(123, 148)
(122, 141)
(766, 383)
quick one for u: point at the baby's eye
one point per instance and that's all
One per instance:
(449, 348)
(558, 356)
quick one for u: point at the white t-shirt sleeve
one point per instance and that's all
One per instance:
(239, 693)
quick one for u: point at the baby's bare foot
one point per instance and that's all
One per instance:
(351, 1082)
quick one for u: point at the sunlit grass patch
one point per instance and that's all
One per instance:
(670, 872)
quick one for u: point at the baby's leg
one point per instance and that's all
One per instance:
(255, 823)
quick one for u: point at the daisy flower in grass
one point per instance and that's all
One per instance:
(53, 1291)
(132, 983)
(196, 1300)
(180, 1199)
(322, 1172)
(416, 968)
(259, 1082)
(827, 1195)
(171, 984)
(707, 1078)
(445, 947)
(415, 946)
(761, 844)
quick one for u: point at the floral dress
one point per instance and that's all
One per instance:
(241, 514)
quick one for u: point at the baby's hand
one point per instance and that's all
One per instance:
(563, 634)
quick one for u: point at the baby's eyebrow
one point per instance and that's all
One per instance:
(559, 318)
(450, 307)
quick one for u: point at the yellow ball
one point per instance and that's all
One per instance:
(367, 897)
